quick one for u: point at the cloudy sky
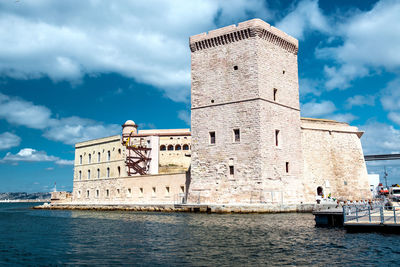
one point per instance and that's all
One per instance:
(76, 70)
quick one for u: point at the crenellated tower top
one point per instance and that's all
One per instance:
(244, 30)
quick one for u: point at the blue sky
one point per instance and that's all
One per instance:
(77, 70)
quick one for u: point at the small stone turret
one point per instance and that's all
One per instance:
(129, 127)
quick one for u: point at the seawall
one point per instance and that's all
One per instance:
(205, 208)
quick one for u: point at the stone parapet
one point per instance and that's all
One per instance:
(329, 125)
(98, 141)
(244, 30)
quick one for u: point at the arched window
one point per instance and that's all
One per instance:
(89, 158)
(119, 150)
(185, 147)
(108, 172)
(98, 173)
(178, 147)
(80, 159)
(88, 174)
(119, 171)
(170, 147)
(80, 175)
(108, 155)
(98, 157)
(163, 148)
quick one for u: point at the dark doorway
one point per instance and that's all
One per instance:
(320, 191)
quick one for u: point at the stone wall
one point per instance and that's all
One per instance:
(103, 157)
(234, 73)
(334, 160)
(61, 197)
(176, 154)
(144, 189)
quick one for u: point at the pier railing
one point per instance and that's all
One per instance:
(371, 213)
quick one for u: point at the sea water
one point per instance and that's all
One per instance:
(62, 237)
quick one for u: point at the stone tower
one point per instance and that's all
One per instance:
(246, 136)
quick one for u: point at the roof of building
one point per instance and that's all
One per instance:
(129, 122)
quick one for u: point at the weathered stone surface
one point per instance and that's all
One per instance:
(245, 77)
(145, 189)
(334, 160)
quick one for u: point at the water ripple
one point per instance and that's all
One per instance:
(44, 237)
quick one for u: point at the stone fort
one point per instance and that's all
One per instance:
(247, 144)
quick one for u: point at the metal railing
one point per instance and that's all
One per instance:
(371, 213)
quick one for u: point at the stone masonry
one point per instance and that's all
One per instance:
(245, 80)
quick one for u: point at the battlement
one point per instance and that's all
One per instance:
(244, 30)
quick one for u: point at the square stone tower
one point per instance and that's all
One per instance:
(246, 136)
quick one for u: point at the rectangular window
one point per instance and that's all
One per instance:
(80, 175)
(287, 167)
(167, 190)
(129, 191)
(108, 172)
(87, 193)
(141, 191)
(236, 135)
(118, 191)
(231, 170)
(97, 193)
(275, 93)
(98, 173)
(277, 138)
(90, 158)
(108, 155)
(212, 137)
(107, 193)
(80, 159)
(88, 174)
(98, 157)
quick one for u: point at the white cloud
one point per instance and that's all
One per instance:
(74, 129)
(29, 155)
(380, 138)
(21, 112)
(144, 125)
(308, 86)
(315, 109)
(144, 40)
(185, 116)
(8, 140)
(360, 100)
(307, 16)
(342, 117)
(391, 96)
(370, 43)
(395, 117)
(68, 130)
(325, 110)
(64, 162)
(32, 155)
